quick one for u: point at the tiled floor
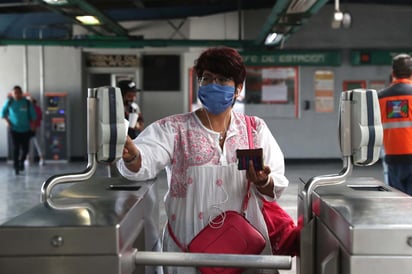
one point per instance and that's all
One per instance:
(20, 193)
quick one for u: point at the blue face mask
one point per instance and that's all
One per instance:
(216, 98)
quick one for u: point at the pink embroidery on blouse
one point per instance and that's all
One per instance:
(200, 215)
(193, 146)
(219, 182)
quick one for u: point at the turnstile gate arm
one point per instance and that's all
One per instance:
(49, 184)
(216, 260)
(346, 149)
(323, 180)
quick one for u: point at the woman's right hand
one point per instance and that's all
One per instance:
(131, 156)
(129, 150)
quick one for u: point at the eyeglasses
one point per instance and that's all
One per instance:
(221, 80)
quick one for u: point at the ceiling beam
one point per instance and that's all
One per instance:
(305, 17)
(278, 9)
(106, 21)
(120, 42)
(286, 23)
(56, 9)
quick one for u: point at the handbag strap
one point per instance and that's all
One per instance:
(177, 242)
(250, 122)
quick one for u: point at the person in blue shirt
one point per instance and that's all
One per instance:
(19, 114)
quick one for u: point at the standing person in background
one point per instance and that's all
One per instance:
(396, 111)
(18, 113)
(198, 151)
(131, 108)
(36, 131)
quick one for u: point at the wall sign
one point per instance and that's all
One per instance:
(375, 57)
(111, 60)
(292, 58)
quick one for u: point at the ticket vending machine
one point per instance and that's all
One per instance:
(56, 127)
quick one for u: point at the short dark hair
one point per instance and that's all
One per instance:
(402, 66)
(224, 61)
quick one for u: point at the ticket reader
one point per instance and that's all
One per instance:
(56, 127)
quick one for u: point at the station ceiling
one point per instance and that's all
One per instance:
(51, 22)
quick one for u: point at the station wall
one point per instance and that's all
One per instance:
(312, 135)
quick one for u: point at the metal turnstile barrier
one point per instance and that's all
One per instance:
(104, 225)
(361, 226)
(355, 225)
(110, 225)
(100, 238)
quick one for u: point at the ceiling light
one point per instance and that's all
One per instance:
(56, 2)
(337, 20)
(88, 20)
(273, 39)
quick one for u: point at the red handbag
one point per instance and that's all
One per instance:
(228, 233)
(284, 235)
(234, 235)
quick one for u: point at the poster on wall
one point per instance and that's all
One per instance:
(324, 90)
(353, 84)
(271, 85)
(274, 88)
(377, 84)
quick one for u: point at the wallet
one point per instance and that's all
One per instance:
(245, 155)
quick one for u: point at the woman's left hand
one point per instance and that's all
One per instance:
(259, 177)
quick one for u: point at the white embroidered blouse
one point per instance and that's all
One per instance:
(203, 179)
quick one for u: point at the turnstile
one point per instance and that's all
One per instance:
(355, 225)
(361, 226)
(104, 225)
(118, 217)
(110, 225)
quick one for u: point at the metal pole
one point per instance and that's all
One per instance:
(49, 184)
(220, 260)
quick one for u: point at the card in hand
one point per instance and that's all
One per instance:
(245, 155)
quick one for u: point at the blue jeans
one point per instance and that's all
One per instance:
(400, 177)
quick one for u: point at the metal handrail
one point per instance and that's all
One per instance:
(346, 149)
(50, 183)
(323, 180)
(212, 260)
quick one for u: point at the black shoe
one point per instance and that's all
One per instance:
(16, 171)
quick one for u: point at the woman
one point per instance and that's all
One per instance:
(36, 132)
(198, 150)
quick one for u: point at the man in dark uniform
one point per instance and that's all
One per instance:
(131, 108)
(396, 112)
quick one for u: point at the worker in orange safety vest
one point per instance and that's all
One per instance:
(396, 112)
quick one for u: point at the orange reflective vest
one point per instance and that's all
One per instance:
(396, 113)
